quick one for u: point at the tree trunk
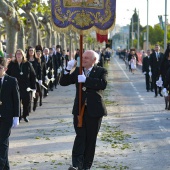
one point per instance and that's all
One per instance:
(21, 38)
(34, 33)
(39, 38)
(53, 38)
(9, 15)
(58, 39)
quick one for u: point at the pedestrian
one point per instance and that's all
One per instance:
(132, 53)
(9, 111)
(31, 57)
(57, 63)
(147, 70)
(38, 56)
(165, 64)
(24, 72)
(155, 62)
(133, 64)
(94, 81)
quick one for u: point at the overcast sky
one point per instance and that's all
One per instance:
(124, 11)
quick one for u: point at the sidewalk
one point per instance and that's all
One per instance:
(130, 136)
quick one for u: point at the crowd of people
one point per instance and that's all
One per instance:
(155, 67)
(33, 73)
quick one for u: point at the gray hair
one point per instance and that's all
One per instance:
(94, 55)
(46, 49)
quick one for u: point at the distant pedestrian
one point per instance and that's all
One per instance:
(133, 64)
(155, 62)
(147, 70)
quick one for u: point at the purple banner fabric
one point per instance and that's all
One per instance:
(84, 14)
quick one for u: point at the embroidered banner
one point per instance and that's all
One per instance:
(98, 15)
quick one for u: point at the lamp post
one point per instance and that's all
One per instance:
(138, 32)
(132, 31)
(147, 32)
(165, 26)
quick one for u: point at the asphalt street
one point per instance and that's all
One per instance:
(135, 135)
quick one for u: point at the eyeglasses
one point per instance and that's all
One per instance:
(31, 50)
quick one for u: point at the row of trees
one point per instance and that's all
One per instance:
(156, 34)
(28, 23)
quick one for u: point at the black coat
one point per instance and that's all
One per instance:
(10, 98)
(95, 84)
(43, 67)
(37, 67)
(145, 64)
(57, 60)
(155, 64)
(27, 79)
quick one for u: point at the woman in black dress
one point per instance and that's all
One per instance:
(25, 74)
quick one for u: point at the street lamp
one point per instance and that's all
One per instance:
(147, 32)
(138, 31)
(132, 31)
(165, 26)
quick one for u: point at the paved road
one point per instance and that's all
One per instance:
(135, 134)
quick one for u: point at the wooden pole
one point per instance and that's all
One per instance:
(80, 72)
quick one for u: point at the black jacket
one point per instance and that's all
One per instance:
(27, 79)
(156, 63)
(10, 98)
(145, 64)
(95, 84)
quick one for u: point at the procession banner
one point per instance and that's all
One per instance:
(84, 15)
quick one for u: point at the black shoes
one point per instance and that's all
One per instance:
(156, 95)
(72, 168)
(160, 94)
(26, 119)
(45, 95)
(34, 107)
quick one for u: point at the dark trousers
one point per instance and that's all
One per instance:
(5, 130)
(149, 84)
(85, 141)
(26, 102)
(154, 79)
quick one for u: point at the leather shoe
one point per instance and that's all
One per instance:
(156, 95)
(26, 119)
(160, 94)
(72, 168)
(151, 90)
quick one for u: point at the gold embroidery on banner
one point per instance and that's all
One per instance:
(98, 18)
(83, 18)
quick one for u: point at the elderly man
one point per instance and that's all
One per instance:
(94, 81)
(9, 111)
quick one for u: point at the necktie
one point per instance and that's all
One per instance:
(157, 55)
(87, 72)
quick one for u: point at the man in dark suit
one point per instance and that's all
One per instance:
(94, 81)
(146, 70)
(9, 111)
(57, 60)
(155, 63)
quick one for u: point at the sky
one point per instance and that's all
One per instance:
(125, 8)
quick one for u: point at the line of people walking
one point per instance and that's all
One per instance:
(37, 71)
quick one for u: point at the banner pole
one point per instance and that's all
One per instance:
(80, 72)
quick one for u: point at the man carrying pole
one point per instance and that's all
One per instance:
(94, 81)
